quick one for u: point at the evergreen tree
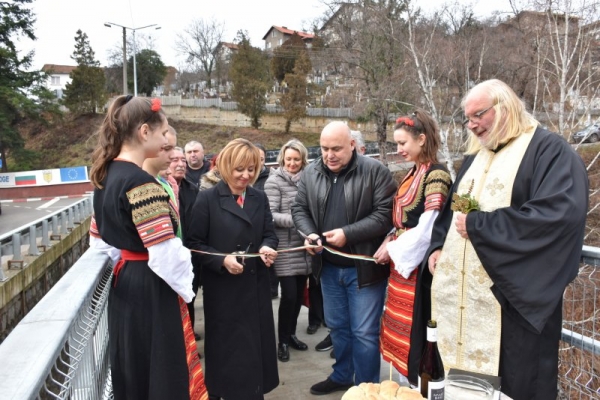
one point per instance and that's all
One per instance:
(251, 79)
(285, 56)
(150, 71)
(295, 98)
(83, 53)
(86, 93)
(22, 93)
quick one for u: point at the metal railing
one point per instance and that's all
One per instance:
(579, 352)
(39, 233)
(59, 350)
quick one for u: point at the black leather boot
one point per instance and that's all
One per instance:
(283, 352)
(297, 344)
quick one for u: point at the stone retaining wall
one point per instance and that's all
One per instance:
(269, 121)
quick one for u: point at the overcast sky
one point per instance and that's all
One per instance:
(59, 20)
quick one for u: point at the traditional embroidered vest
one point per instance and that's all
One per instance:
(468, 314)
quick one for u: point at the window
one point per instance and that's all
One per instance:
(268, 45)
(273, 33)
(280, 42)
(55, 80)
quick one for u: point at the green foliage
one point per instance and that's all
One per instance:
(27, 160)
(86, 93)
(465, 203)
(251, 79)
(22, 93)
(83, 53)
(294, 100)
(150, 70)
(285, 56)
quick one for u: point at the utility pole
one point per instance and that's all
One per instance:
(110, 25)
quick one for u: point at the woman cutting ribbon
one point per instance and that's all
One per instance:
(240, 351)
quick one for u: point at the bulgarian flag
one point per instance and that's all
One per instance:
(25, 180)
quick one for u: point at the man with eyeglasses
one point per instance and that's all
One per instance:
(499, 272)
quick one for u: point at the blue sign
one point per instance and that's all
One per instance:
(73, 174)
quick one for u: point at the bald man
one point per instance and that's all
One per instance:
(344, 201)
(196, 165)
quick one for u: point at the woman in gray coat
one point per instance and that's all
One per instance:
(293, 268)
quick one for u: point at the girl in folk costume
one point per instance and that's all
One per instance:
(153, 354)
(419, 198)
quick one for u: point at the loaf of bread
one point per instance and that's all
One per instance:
(387, 390)
(405, 393)
(354, 393)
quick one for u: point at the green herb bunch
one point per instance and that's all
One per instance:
(464, 203)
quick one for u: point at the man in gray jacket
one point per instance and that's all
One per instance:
(344, 201)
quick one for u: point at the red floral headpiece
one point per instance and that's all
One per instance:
(155, 106)
(406, 121)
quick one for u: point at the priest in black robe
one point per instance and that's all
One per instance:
(527, 251)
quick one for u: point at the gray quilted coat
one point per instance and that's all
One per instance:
(281, 191)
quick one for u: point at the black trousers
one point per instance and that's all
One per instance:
(274, 280)
(315, 298)
(196, 283)
(529, 361)
(292, 291)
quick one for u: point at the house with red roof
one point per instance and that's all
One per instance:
(276, 35)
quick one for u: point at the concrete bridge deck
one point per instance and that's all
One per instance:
(304, 369)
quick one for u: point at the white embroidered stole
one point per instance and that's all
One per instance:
(468, 314)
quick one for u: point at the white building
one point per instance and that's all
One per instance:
(59, 76)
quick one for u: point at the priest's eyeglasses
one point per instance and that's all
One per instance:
(477, 116)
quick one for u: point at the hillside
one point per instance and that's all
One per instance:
(70, 141)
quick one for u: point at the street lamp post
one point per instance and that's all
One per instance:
(111, 24)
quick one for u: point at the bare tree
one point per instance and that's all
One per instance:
(199, 45)
(565, 73)
(447, 51)
(361, 48)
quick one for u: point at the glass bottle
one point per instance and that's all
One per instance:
(431, 368)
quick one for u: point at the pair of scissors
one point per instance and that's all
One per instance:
(313, 242)
(241, 260)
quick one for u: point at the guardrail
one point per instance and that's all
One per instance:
(579, 352)
(60, 349)
(39, 233)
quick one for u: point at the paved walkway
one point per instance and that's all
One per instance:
(304, 369)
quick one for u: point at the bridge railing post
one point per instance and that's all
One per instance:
(45, 234)
(88, 205)
(70, 224)
(77, 214)
(55, 228)
(17, 259)
(2, 276)
(63, 223)
(33, 249)
(54, 224)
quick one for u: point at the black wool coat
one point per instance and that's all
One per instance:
(240, 347)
